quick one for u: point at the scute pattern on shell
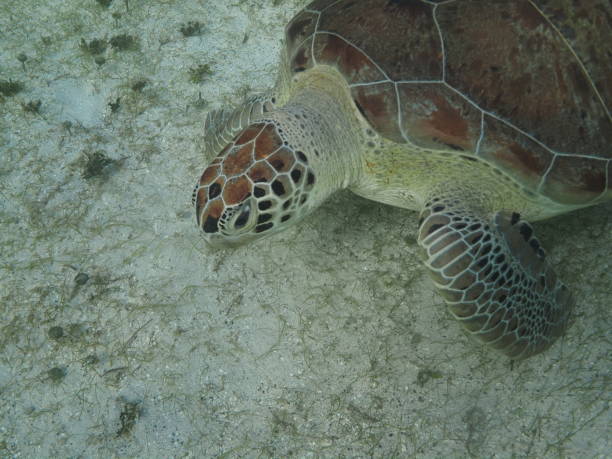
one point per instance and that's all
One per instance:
(522, 84)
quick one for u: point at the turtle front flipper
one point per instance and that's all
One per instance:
(494, 277)
(223, 124)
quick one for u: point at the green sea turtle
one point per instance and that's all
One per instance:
(480, 115)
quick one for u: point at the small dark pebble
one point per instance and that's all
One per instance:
(56, 332)
(81, 278)
(56, 374)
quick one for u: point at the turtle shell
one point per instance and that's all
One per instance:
(523, 84)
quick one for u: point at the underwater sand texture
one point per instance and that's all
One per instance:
(123, 335)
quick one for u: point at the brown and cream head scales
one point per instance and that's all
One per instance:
(257, 184)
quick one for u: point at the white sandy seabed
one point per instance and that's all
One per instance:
(122, 335)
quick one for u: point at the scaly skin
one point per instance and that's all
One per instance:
(494, 276)
(288, 159)
(281, 166)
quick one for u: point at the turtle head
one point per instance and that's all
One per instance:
(258, 185)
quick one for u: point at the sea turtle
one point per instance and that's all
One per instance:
(481, 115)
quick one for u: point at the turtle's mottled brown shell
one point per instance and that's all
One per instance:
(523, 84)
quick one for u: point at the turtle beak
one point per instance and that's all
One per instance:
(222, 241)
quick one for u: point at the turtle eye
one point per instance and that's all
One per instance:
(243, 217)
